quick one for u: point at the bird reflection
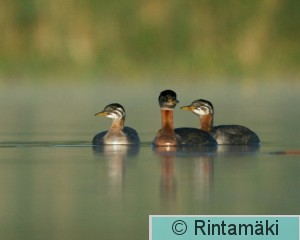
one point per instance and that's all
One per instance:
(168, 184)
(197, 161)
(237, 150)
(115, 156)
(203, 177)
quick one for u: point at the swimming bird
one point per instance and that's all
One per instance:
(167, 135)
(117, 134)
(224, 134)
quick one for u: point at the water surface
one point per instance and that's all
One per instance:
(55, 185)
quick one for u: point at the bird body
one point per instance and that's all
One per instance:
(234, 134)
(194, 136)
(127, 136)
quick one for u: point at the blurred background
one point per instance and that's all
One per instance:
(61, 61)
(134, 40)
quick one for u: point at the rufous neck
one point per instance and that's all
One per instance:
(167, 118)
(206, 122)
(117, 124)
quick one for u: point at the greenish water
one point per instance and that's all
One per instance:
(55, 185)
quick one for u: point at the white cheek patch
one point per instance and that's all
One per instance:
(113, 116)
(197, 111)
(117, 114)
(201, 111)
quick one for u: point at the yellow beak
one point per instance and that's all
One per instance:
(101, 114)
(188, 108)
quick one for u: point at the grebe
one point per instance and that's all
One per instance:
(224, 134)
(117, 134)
(168, 136)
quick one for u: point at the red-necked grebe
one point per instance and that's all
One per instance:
(117, 134)
(224, 134)
(167, 135)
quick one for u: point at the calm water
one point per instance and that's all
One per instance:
(55, 185)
